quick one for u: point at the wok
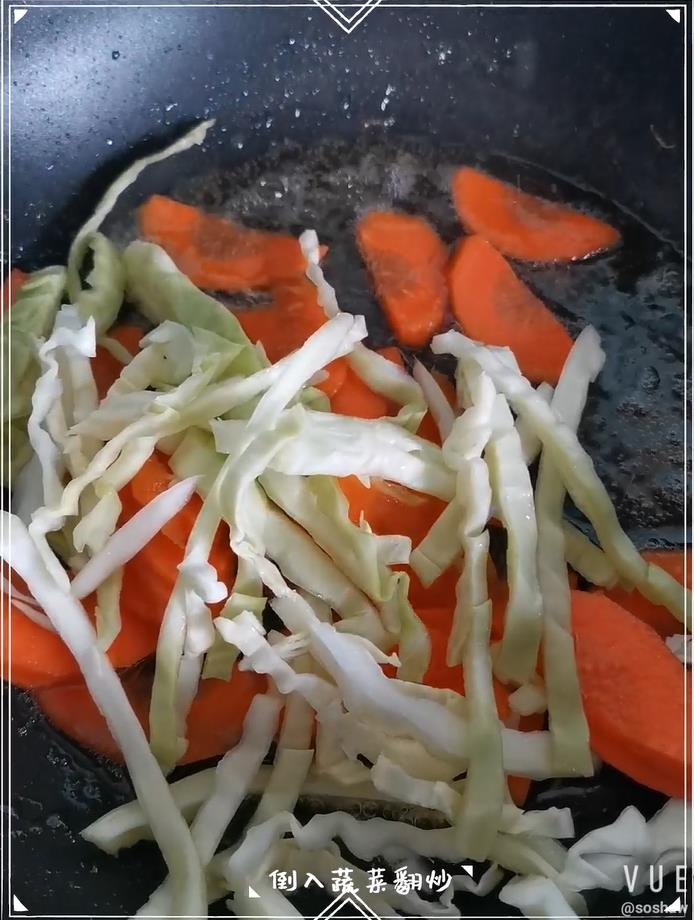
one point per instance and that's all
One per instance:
(593, 98)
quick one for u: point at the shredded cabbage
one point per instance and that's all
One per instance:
(535, 896)
(440, 548)
(530, 443)
(441, 411)
(414, 643)
(128, 540)
(609, 857)
(319, 506)
(588, 559)
(103, 297)
(73, 626)
(82, 240)
(513, 498)
(578, 473)
(379, 374)
(233, 777)
(389, 777)
(528, 699)
(567, 721)
(30, 319)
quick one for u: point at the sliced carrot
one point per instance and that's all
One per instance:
(355, 398)
(214, 724)
(659, 618)
(105, 368)
(633, 693)
(428, 429)
(217, 254)
(523, 226)
(438, 624)
(154, 477)
(389, 508)
(138, 635)
(12, 286)
(492, 305)
(281, 328)
(40, 658)
(405, 258)
(155, 567)
(129, 336)
(440, 594)
(70, 709)
(217, 714)
(393, 354)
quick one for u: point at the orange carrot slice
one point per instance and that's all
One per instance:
(156, 564)
(523, 226)
(355, 398)
(138, 636)
(633, 693)
(657, 617)
(217, 254)
(393, 354)
(295, 315)
(440, 594)
(217, 714)
(493, 306)
(40, 658)
(154, 477)
(214, 724)
(405, 258)
(70, 709)
(12, 286)
(105, 368)
(389, 508)
(438, 624)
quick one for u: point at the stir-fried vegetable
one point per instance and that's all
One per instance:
(193, 474)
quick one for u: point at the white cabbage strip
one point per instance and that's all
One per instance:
(479, 811)
(233, 776)
(135, 534)
(73, 626)
(570, 735)
(578, 473)
(379, 374)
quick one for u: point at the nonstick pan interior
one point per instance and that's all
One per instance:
(632, 427)
(595, 94)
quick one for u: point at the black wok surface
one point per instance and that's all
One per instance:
(566, 90)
